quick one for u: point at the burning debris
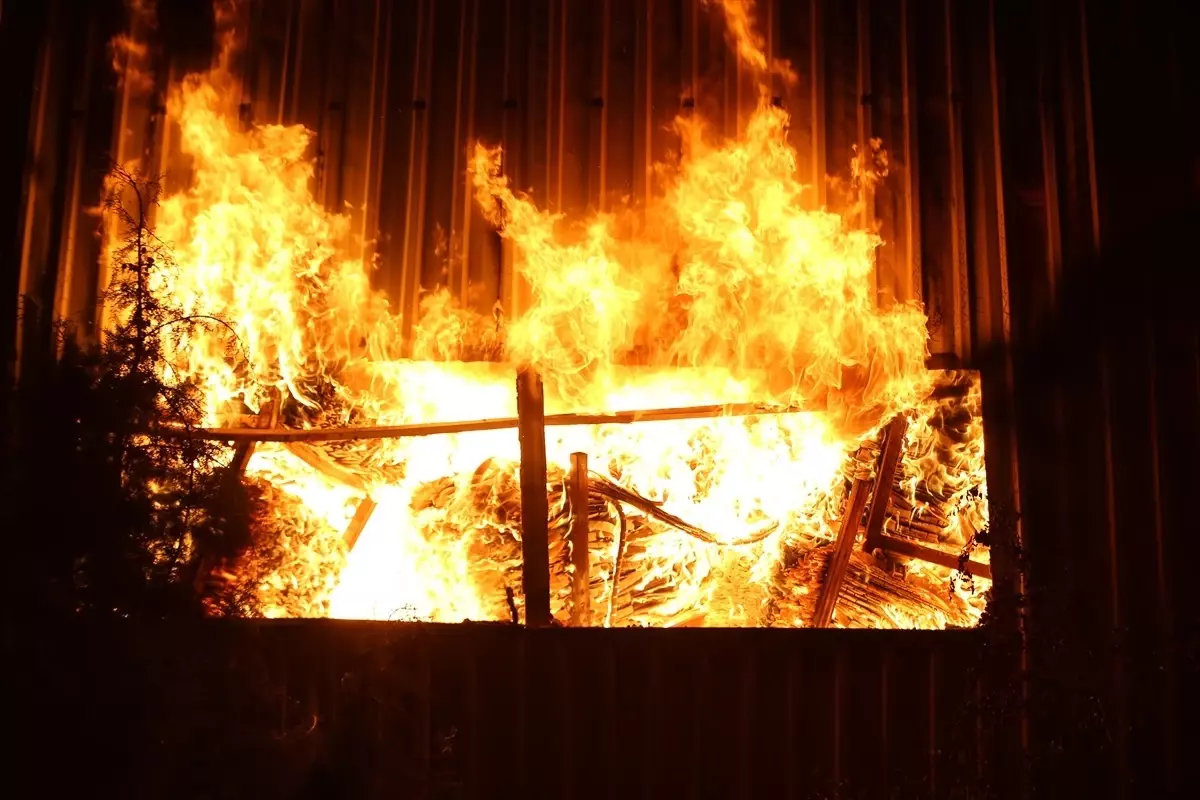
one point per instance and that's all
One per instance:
(731, 292)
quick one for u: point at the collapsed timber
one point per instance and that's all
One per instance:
(575, 547)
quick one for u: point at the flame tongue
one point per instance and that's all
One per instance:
(753, 283)
(262, 255)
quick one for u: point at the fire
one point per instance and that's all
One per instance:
(727, 289)
(751, 49)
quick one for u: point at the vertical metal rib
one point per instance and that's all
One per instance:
(64, 290)
(694, 55)
(417, 165)
(605, 39)
(456, 182)
(960, 327)
(287, 56)
(33, 166)
(562, 104)
(507, 274)
(371, 161)
(817, 100)
(1049, 161)
(1013, 571)
(863, 110)
(552, 26)
(933, 735)
(648, 110)
(908, 284)
(1089, 125)
(464, 145)
(375, 175)
(297, 62)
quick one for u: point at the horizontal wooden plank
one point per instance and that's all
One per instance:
(237, 435)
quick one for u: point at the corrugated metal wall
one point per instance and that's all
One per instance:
(1043, 155)
(320, 709)
(1098, 189)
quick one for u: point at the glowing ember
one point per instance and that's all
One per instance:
(729, 291)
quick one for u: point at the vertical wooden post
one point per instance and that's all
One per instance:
(535, 548)
(885, 476)
(581, 591)
(241, 457)
(268, 417)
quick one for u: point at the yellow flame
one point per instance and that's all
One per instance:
(731, 291)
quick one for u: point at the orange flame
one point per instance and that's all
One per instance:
(751, 47)
(732, 291)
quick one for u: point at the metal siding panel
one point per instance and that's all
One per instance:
(667, 83)
(380, 710)
(862, 715)
(437, 258)
(892, 204)
(1029, 214)
(309, 76)
(906, 766)
(22, 40)
(97, 137)
(66, 295)
(331, 135)
(397, 139)
(576, 149)
(454, 173)
(525, 94)
(368, 228)
(1107, 463)
(766, 716)
(840, 122)
(40, 178)
(624, 101)
(939, 155)
(418, 165)
(981, 107)
(863, 104)
(486, 121)
(804, 101)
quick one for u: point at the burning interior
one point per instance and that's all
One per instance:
(726, 424)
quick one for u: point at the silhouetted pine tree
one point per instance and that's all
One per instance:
(113, 518)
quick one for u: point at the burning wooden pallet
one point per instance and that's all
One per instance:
(538, 574)
(621, 580)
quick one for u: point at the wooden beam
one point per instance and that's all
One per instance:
(358, 523)
(903, 547)
(581, 594)
(885, 476)
(844, 545)
(467, 426)
(535, 547)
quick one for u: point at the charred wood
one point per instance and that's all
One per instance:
(534, 512)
